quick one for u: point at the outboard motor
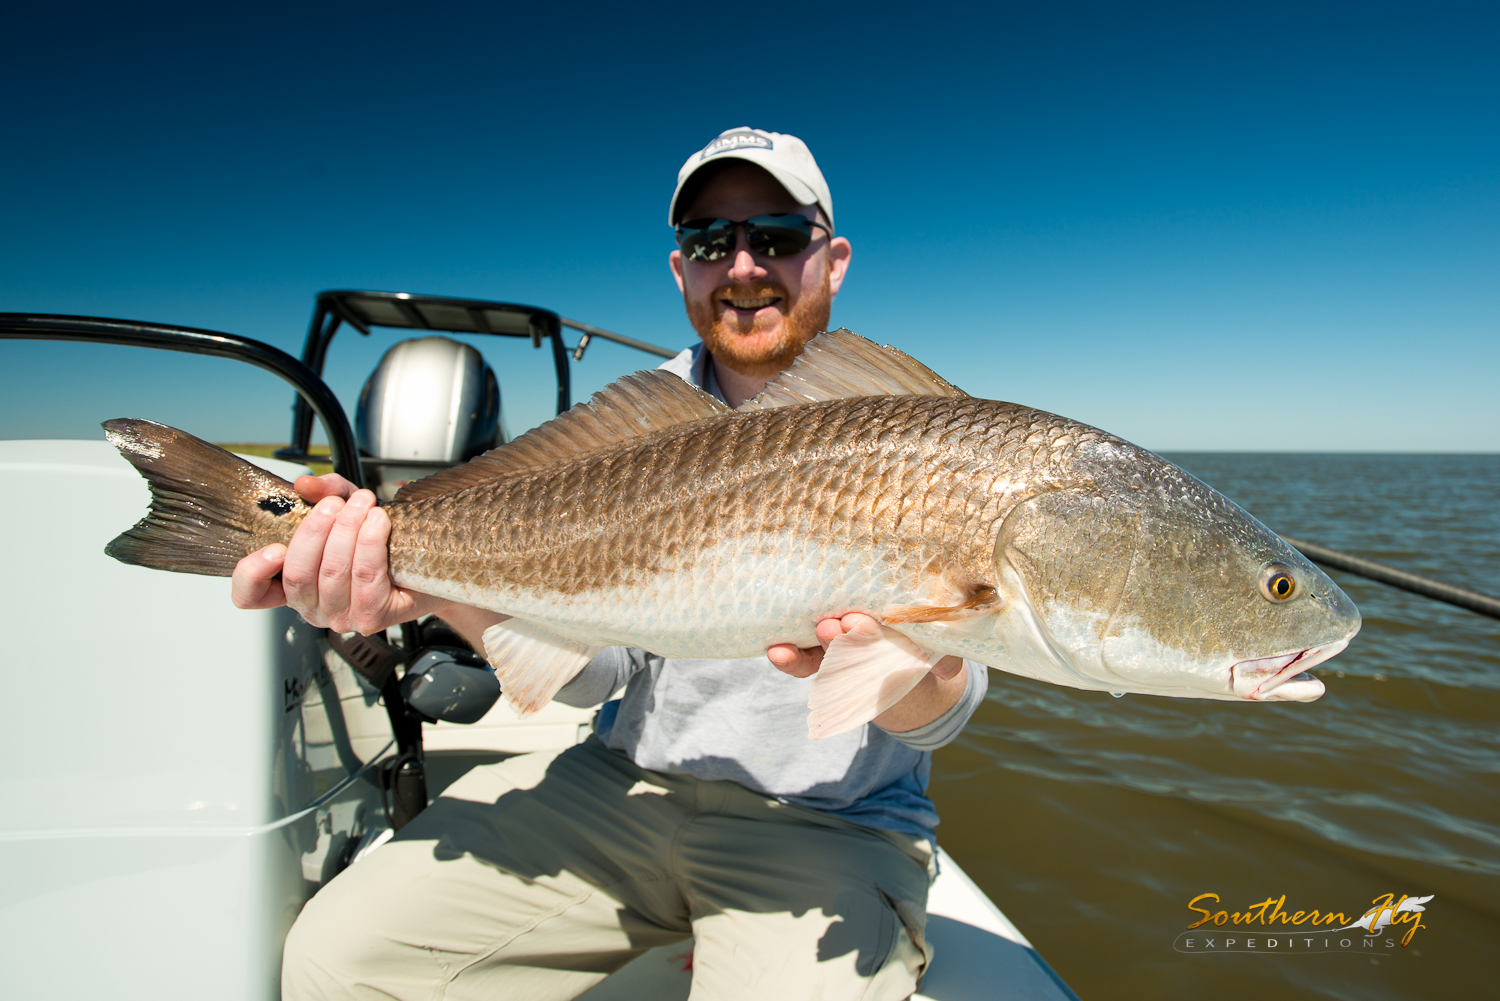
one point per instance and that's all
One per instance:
(431, 403)
(431, 399)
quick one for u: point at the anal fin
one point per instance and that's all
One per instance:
(532, 663)
(865, 672)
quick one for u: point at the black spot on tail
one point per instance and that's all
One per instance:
(208, 508)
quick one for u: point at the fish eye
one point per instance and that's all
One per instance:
(1277, 584)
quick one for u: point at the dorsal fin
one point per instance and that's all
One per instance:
(840, 365)
(635, 405)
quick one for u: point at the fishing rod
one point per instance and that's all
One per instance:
(1474, 601)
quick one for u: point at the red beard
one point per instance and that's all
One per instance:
(734, 345)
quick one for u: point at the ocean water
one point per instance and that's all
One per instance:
(1092, 821)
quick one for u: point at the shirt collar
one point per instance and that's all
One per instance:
(694, 366)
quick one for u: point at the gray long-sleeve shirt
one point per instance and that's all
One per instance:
(745, 721)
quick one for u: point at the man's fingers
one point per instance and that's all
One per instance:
(803, 663)
(335, 572)
(371, 593)
(314, 488)
(948, 667)
(783, 655)
(853, 620)
(797, 662)
(829, 630)
(304, 557)
(254, 583)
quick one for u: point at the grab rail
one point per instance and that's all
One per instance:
(191, 340)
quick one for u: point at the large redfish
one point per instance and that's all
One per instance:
(654, 516)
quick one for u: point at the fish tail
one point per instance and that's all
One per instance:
(209, 509)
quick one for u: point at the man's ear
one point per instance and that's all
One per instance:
(839, 253)
(674, 261)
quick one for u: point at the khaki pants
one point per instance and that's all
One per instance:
(537, 877)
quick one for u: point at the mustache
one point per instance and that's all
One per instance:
(759, 290)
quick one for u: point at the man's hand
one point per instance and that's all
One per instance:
(336, 570)
(804, 663)
(937, 692)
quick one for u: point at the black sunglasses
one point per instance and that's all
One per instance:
(771, 235)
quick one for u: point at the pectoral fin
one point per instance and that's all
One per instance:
(532, 663)
(865, 672)
(982, 599)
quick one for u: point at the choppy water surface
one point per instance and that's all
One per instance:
(1092, 820)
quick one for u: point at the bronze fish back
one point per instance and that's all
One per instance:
(927, 477)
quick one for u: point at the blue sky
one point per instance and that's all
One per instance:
(1256, 227)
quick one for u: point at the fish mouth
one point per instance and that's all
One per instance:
(1283, 678)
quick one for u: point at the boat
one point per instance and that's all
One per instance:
(185, 776)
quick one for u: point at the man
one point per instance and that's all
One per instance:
(700, 807)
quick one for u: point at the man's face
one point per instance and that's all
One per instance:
(754, 312)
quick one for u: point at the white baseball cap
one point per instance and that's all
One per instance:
(784, 157)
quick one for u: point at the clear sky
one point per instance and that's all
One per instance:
(1203, 226)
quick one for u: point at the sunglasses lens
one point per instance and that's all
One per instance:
(706, 239)
(778, 235)
(771, 235)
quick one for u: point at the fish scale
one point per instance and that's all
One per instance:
(885, 462)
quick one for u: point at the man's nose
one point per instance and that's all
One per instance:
(744, 267)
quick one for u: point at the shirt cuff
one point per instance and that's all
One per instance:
(599, 679)
(943, 730)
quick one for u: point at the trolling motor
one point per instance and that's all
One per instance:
(442, 680)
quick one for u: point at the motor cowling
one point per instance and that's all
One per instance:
(430, 398)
